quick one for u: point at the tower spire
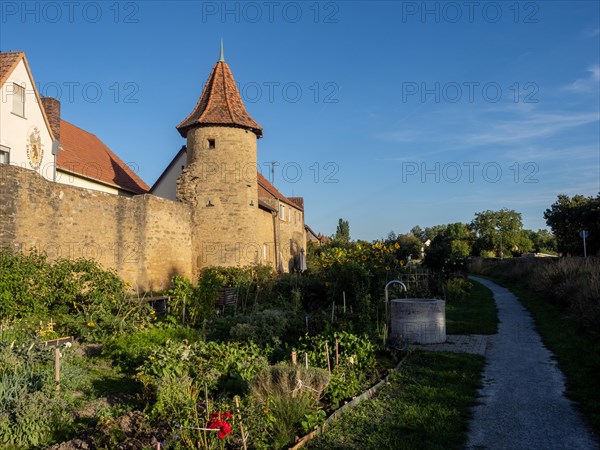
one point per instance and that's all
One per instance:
(221, 57)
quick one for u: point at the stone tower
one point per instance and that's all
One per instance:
(220, 179)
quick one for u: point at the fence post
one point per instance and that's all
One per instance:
(57, 366)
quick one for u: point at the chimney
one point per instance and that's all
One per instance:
(297, 201)
(52, 108)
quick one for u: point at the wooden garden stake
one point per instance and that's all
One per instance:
(344, 295)
(57, 366)
(327, 355)
(294, 358)
(337, 353)
(306, 360)
(237, 407)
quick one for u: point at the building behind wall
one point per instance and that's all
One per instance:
(216, 209)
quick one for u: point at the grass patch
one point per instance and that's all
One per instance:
(577, 351)
(426, 405)
(476, 314)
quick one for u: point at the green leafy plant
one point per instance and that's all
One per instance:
(457, 289)
(312, 420)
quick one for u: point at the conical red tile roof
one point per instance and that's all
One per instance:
(220, 104)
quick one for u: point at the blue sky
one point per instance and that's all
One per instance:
(388, 114)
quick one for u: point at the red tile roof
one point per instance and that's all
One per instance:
(82, 153)
(268, 191)
(8, 61)
(220, 104)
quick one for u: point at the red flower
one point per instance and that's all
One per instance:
(219, 422)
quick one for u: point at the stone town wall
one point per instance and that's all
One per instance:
(145, 239)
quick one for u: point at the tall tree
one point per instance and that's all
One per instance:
(430, 233)
(568, 216)
(342, 234)
(543, 241)
(418, 232)
(500, 232)
(450, 248)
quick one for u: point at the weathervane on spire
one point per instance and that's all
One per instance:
(221, 57)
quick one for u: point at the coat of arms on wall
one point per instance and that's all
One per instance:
(35, 152)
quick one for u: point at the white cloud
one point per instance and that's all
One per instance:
(533, 125)
(589, 84)
(593, 33)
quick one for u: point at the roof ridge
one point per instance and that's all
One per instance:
(229, 109)
(207, 89)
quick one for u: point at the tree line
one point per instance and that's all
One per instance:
(499, 234)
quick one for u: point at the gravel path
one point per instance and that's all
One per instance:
(522, 401)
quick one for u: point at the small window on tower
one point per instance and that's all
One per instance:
(212, 144)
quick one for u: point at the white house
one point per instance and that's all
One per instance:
(33, 136)
(25, 135)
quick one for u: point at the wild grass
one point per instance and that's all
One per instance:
(425, 405)
(476, 313)
(290, 393)
(571, 284)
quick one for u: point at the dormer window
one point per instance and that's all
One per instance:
(212, 144)
(18, 104)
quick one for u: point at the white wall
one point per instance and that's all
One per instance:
(167, 187)
(15, 130)
(78, 181)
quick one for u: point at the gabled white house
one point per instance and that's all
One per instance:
(33, 136)
(26, 137)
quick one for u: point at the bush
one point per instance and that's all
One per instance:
(269, 326)
(221, 367)
(83, 298)
(131, 350)
(572, 284)
(457, 289)
(356, 369)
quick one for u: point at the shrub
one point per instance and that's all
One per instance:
(269, 326)
(356, 369)
(131, 350)
(457, 289)
(572, 284)
(83, 298)
(221, 367)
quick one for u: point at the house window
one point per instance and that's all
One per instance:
(18, 106)
(4, 155)
(282, 212)
(212, 144)
(265, 251)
